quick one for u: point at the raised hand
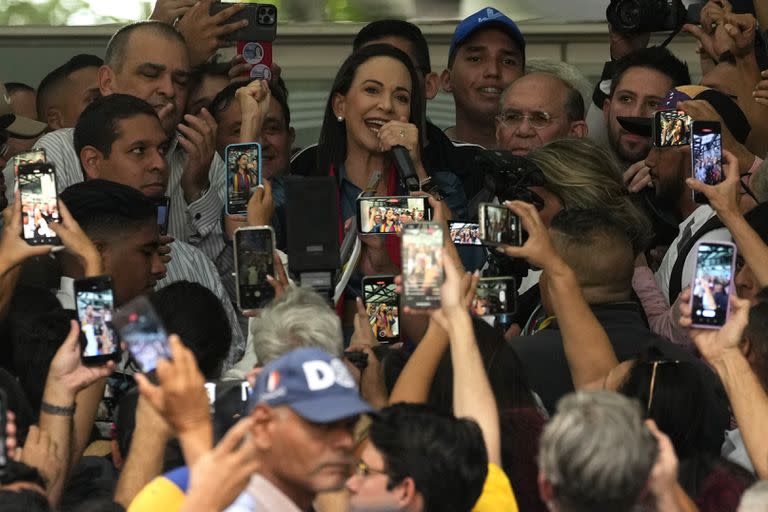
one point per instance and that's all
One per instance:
(198, 138)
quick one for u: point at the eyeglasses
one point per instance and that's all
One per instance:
(363, 470)
(537, 120)
(653, 381)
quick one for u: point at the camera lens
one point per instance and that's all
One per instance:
(629, 13)
(266, 15)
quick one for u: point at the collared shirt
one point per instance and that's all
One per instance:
(262, 496)
(196, 222)
(688, 228)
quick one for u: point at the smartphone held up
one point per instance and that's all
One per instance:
(706, 155)
(382, 305)
(422, 265)
(243, 162)
(95, 304)
(143, 333)
(712, 284)
(39, 203)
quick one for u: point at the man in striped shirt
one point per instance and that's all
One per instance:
(150, 60)
(119, 138)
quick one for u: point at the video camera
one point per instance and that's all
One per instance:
(639, 16)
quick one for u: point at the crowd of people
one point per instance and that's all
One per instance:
(593, 387)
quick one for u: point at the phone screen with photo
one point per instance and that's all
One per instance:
(388, 215)
(254, 258)
(382, 305)
(39, 203)
(672, 128)
(422, 265)
(95, 304)
(142, 331)
(498, 225)
(243, 163)
(465, 233)
(707, 155)
(495, 296)
(712, 283)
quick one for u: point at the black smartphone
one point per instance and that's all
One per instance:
(712, 283)
(3, 425)
(262, 21)
(228, 401)
(388, 215)
(464, 233)
(498, 225)
(163, 214)
(706, 155)
(243, 163)
(254, 253)
(382, 305)
(671, 128)
(95, 304)
(495, 296)
(39, 203)
(422, 258)
(143, 333)
(33, 156)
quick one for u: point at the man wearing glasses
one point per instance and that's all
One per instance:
(538, 108)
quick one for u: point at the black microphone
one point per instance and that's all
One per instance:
(405, 168)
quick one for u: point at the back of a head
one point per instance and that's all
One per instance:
(657, 58)
(596, 453)
(596, 246)
(108, 210)
(755, 498)
(51, 86)
(380, 29)
(120, 40)
(97, 126)
(301, 318)
(685, 402)
(757, 334)
(445, 456)
(585, 175)
(194, 313)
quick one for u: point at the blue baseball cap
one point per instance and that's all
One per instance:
(314, 384)
(483, 18)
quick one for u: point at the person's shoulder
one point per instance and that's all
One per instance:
(497, 493)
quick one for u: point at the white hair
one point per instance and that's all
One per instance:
(596, 453)
(301, 318)
(568, 73)
(755, 498)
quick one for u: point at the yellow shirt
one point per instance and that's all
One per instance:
(497, 495)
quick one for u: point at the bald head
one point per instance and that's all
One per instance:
(121, 41)
(555, 110)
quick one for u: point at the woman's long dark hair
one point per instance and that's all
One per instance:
(332, 144)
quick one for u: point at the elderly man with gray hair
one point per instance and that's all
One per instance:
(596, 454)
(300, 318)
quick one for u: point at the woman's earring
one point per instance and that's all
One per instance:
(340, 119)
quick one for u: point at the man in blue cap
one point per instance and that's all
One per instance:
(304, 406)
(487, 54)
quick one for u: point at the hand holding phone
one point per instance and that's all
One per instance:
(706, 155)
(712, 284)
(243, 163)
(499, 225)
(95, 304)
(142, 331)
(422, 265)
(254, 261)
(382, 306)
(39, 203)
(495, 296)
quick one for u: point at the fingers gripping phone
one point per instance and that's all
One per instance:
(495, 296)
(712, 283)
(254, 41)
(388, 215)
(254, 260)
(243, 163)
(422, 265)
(382, 305)
(39, 203)
(498, 225)
(706, 155)
(143, 333)
(95, 304)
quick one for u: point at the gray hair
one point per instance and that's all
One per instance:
(755, 498)
(574, 106)
(596, 452)
(301, 318)
(760, 182)
(568, 73)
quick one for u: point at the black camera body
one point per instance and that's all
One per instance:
(640, 16)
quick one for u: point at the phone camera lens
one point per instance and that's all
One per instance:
(266, 15)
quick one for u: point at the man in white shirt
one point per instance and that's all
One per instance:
(150, 60)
